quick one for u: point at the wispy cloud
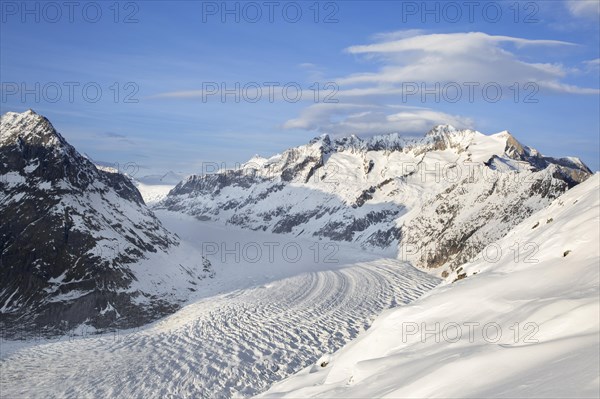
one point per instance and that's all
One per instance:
(117, 136)
(446, 43)
(396, 35)
(113, 135)
(589, 9)
(456, 57)
(592, 65)
(426, 60)
(369, 119)
(315, 72)
(413, 56)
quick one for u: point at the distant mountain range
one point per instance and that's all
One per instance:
(434, 200)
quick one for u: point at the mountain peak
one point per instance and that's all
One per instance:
(29, 115)
(513, 147)
(28, 127)
(322, 139)
(439, 130)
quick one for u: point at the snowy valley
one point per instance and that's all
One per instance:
(453, 264)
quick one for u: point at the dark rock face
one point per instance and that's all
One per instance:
(347, 229)
(69, 235)
(437, 200)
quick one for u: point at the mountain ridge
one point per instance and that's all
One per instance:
(363, 190)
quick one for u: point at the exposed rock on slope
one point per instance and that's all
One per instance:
(459, 189)
(77, 244)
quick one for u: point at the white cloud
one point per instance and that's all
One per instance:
(455, 57)
(584, 8)
(592, 65)
(447, 43)
(412, 57)
(595, 62)
(399, 34)
(369, 119)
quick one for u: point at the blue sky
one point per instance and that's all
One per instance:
(379, 56)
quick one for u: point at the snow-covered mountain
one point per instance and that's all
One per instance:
(78, 244)
(435, 200)
(80, 248)
(154, 188)
(523, 322)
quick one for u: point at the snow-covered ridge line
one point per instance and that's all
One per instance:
(388, 193)
(440, 136)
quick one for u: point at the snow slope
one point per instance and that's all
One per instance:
(552, 291)
(253, 324)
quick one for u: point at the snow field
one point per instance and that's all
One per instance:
(254, 324)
